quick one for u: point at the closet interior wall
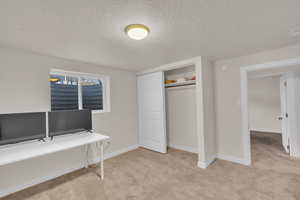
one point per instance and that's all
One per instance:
(181, 109)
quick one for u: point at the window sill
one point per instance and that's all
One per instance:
(99, 111)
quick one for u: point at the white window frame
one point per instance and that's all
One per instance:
(105, 80)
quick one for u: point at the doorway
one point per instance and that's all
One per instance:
(268, 118)
(274, 68)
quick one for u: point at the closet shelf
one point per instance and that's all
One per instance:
(185, 83)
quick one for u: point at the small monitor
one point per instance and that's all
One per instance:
(21, 127)
(70, 121)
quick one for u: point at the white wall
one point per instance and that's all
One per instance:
(209, 120)
(24, 87)
(228, 94)
(264, 104)
(181, 118)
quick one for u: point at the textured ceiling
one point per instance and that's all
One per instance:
(92, 30)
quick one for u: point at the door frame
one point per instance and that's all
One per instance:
(244, 70)
(284, 105)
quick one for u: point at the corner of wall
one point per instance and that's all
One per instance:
(204, 165)
(233, 159)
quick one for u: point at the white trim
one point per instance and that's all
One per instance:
(200, 114)
(107, 99)
(73, 73)
(105, 80)
(245, 120)
(258, 76)
(291, 104)
(271, 65)
(234, 159)
(25, 111)
(284, 108)
(63, 172)
(296, 154)
(264, 131)
(164, 112)
(244, 101)
(184, 148)
(170, 66)
(204, 165)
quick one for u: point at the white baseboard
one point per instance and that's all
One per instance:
(204, 165)
(63, 172)
(265, 131)
(295, 154)
(115, 153)
(234, 159)
(184, 148)
(121, 151)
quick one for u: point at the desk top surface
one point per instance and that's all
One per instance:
(22, 151)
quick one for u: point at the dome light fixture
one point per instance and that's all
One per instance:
(137, 31)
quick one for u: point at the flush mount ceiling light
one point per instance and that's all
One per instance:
(137, 31)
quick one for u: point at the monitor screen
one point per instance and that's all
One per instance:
(20, 127)
(70, 121)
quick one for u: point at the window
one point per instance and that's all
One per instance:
(64, 92)
(92, 94)
(73, 91)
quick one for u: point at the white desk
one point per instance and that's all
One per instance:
(27, 150)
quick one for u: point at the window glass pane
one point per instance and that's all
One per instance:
(92, 94)
(64, 92)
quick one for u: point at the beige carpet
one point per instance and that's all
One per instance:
(146, 175)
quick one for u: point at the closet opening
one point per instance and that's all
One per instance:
(180, 104)
(176, 109)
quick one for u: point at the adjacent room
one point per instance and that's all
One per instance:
(273, 116)
(265, 117)
(145, 99)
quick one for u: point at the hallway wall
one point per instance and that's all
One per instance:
(264, 104)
